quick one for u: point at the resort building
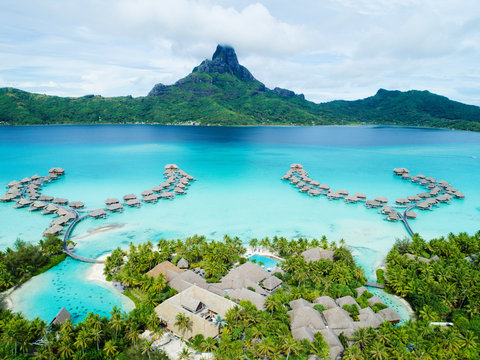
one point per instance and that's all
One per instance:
(316, 254)
(62, 316)
(163, 268)
(202, 307)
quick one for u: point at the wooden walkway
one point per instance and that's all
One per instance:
(68, 233)
(375, 285)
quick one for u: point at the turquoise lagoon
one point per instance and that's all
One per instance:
(238, 191)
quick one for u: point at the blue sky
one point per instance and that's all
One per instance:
(329, 49)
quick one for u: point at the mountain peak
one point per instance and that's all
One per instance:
(224, 60)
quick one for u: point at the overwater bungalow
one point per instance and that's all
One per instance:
(158, 188)
(150, 198)
(62, 212)
(444, 198)
(386, 210)
(402, 201)
(190, 177)
(115, 208)
(411, 214)
(111, 201)
(129, 197)
(22, 203)
(181, 185)
(459, 195)
(60, 201)
(443, 183)
(430, 186)
(45, 198)
(406, 176)
(414, 179)
(133, 202)
(423, 182)
(294, 180)
(54, 230)
(372, 204)
(381, 199)
(351, 199)
(360, 196)
(342, 192)
(13, 183)
(431, 179)
(61, 220)
(400, 171)
(167, 195)
(421, 176)
(333, 196)
(76, 204)
(300, 184)
(99, 213)
(324, 187)
(147, 192)
(314, 183)
(179, 190)
(296, 166)
(423, 205)
(37, 205)
(424, 195)
(393, 216)
(314, 192)
(171, 167)
(56, 171)
(414, 198)
(49, 209)
(7, 198)
(25, 180)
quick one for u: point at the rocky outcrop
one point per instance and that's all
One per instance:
(224, 60)
(287, 93)
(157, 90)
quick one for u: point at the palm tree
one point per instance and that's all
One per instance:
(265, 347)
(146, 347)
(132, 335)
(378, 352)
(65, 350)
(184, 354)
(183, 323)
(97, 335)
(82, 340)
(209, 345)
(110, 348)
(116, 323)
(290, 346)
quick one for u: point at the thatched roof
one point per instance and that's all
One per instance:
(182, 263)
(326, 301)
(171, 167)
(98, 213)
(129, 197)
(45, 198)
(299, 304)
(60, 201)
(133, 202)
(306, 316)
(147, 192)
(162, 268)
(347, 300)
(111, 201)
(248, 295)
(375, 300)
(381, 199)
(271, 283)
(62, 316)
(316, 254)
(389, 314)
(330, 338)
(115, 207)
(54, 230)
(338, 318)
(76, 204)
(192, 298)
(419, 258)
(368, 318)
(411, 214)
(249, 271)
(360, 290)
(303, 333)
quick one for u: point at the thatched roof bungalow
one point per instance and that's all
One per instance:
(248, 295)
(200, 305)
(62, 316)
(183, 263)
(163, 268)
(391, 315)
(326, 301)
(315, 254)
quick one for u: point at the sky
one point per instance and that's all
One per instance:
(325, 49)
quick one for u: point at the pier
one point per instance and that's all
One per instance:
(436, 193)
(26, 192)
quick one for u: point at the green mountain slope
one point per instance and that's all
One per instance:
(222, 92)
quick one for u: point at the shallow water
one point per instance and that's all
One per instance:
(238, 192)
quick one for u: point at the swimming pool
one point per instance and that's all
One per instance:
(267, 262)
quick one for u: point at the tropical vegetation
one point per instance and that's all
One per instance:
(26, 260)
